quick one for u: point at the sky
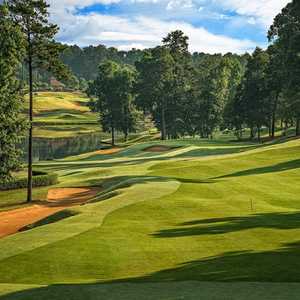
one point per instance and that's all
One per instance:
(213, 26)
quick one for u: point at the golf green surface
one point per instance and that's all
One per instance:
(203, 220)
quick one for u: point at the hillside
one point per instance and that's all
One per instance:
(63, 114)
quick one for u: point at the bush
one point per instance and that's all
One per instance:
(39, 179)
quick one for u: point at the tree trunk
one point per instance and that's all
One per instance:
(29, 187)
(252, 133)
(273, 125)
(112, 135)
(163, 124)
(285, 128)
(258, 133)
(298, 127)
(126, 136)
(274, 116)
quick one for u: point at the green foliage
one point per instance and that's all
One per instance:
(39, 179)
(84, 62)
(186, 94)
(12, 124)
(114, 90)
(32, 19)
(153, 86)
(284, 32)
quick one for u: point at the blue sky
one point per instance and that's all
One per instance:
(213, 26)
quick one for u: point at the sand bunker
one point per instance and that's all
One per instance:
(108, 151)
(158, 148)
(58, 199)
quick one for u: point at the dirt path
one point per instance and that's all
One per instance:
(58, 199)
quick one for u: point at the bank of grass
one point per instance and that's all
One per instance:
(189, 214)
(62, 114)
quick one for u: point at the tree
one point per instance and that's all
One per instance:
(274, 83)
(155, 77)
(180, 91)
(254, 95)
(11, 123)
(177, 43)
(31, 16)
(285, 32)
(114, 90)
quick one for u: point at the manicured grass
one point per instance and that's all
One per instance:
(189, 290)
(62, 114)
(206, 212)
(16, 198)
(63, 131)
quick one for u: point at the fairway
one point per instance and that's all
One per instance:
(210, 218)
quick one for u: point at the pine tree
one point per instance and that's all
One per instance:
(11, 124)
(42, 52)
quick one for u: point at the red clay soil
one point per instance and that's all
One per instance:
(158, 148)
(58, 199)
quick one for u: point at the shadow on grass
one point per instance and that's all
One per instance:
(279, 265)
(59, 216)
(218, 151)
(232, 224)
(280, 167)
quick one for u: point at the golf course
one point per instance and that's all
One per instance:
(186, 218)
(149, 150)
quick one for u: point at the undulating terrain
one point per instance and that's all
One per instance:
(172, 220)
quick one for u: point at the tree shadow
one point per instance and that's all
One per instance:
(232, 224)
(280, 265)
(280, 167)
(209, 152)
(276, 266)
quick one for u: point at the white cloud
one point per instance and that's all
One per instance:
(139, 32)
(262, 11)
(179, 4)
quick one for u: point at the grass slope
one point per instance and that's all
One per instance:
(62, 114)
(208, 211)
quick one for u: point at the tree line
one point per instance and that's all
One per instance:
(198, 94)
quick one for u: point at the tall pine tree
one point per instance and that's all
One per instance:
(31, 16)
(11, 123)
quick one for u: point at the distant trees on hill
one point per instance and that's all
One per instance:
(197, 94)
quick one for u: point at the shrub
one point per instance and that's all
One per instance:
(39, 179)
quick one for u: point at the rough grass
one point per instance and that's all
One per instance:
(230, 215)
